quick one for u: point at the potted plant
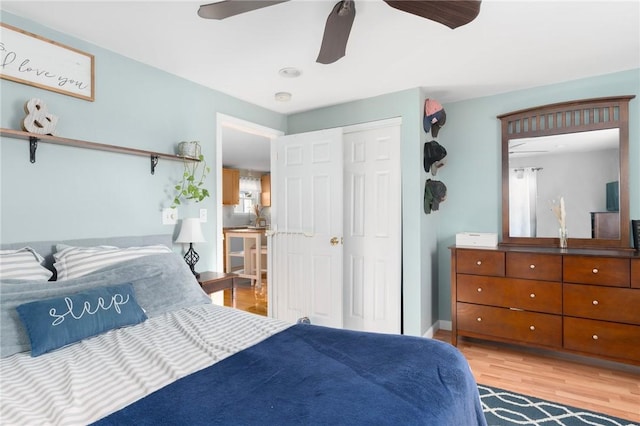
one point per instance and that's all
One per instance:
(191, 187)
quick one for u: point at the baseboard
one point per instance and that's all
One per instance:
(444, 325)
(439, 325)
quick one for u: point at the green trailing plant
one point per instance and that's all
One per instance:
(191, 187)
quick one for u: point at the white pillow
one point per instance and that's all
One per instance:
(73, 262)
(23, 264)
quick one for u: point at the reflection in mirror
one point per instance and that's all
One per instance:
(577, 150)
(583, 168)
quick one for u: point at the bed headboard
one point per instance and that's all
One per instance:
(47, 248)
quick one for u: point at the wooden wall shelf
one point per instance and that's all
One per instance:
(35, 138)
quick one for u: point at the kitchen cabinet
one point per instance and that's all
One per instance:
(230, 187)
(265, 196)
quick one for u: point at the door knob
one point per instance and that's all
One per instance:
(334, 241)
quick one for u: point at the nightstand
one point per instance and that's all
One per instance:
(215, 281)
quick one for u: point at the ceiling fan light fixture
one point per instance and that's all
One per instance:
(283, 96)
(290, 72)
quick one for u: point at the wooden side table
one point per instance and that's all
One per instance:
(211, 282)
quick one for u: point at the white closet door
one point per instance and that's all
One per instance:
(306, 278)
(372, 230)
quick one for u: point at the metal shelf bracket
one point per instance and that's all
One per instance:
(33, 146)
(154, 163)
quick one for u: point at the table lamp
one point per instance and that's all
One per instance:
(191, 232)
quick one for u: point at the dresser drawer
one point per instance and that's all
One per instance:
(602, 338)
(595, 270)
(534, 266)
(521, 326)
(480, 262)
(605, 303)
(530, 295)
(635, 273)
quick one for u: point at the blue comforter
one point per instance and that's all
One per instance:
(309, 374)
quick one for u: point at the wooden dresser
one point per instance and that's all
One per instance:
(575, 300)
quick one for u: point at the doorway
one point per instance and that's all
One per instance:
(249, 151)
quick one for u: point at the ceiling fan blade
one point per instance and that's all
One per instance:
(452, 13)
(336, 32)
(527, 152)
(227, 8)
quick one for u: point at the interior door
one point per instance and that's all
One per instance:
(372, 230)
(306, 236)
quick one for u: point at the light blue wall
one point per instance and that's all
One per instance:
(75, 193)
(472, 174)
(417, 237)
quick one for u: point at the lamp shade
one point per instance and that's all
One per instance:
(190, 232)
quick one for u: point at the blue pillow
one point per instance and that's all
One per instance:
(54, 323)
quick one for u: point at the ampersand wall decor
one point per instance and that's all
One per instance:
(38, 119)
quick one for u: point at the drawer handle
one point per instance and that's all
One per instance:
(595, 302)
(532, 328)
(594, 270)
(594, 337)
(532, 295)
(532, 266)
(479, 262)
(479, 319)
(479, 289)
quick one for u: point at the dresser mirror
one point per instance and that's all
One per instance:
(577, 151)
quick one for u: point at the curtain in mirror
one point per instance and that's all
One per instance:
(523, 193)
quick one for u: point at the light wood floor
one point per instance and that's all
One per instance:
(246, 298)
(594, 385)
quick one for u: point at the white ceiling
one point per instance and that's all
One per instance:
(510, 45)
(247, 151)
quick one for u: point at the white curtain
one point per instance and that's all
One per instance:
(250, 184)
(523, 190)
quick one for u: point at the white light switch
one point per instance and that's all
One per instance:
(169, 216)
(203, 215)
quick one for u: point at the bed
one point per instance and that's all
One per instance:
(182, 360)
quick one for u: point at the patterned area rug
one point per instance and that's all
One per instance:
(506, 408)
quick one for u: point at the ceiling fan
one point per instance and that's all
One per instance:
(452, 13)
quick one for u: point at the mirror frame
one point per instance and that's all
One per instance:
(561, 118)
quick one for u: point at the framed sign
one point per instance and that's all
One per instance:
(37, 61)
